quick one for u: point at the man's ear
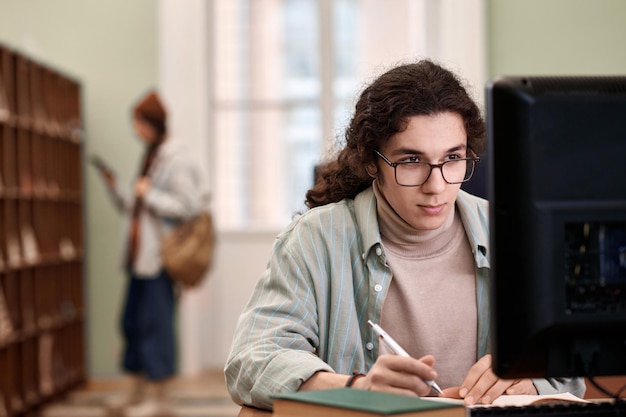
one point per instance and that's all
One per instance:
(372, 170)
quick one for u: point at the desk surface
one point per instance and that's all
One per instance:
(253, 412)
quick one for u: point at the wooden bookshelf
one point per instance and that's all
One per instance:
(42, 313)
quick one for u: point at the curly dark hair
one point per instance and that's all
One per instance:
(384, 109)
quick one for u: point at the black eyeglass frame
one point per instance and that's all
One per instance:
(394, 165)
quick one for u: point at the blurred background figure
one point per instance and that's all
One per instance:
(165, 192)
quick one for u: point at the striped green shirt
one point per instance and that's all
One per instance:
(326, 277)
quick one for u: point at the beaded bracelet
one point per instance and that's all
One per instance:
(353, 378)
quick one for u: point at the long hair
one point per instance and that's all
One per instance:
(382, 110)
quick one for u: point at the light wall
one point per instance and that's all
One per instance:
(556, 37)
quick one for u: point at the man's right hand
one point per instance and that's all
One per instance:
(399, 375)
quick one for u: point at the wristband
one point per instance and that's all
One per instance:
(353, 378)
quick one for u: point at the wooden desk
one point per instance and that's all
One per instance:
(611, 383)
(253, 412)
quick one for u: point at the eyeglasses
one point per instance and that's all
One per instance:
(414, 174)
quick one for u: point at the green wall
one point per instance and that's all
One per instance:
(110, 47)
(556, 37)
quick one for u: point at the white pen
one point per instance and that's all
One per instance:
(397, 349)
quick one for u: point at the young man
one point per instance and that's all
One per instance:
(390, 238)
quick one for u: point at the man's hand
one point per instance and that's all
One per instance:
(390, 373)
(399, 375)
(482, 386)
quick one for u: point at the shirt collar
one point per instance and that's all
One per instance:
(366, 219)
(474, 213)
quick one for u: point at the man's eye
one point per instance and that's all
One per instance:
(454, 157)
(410, 159)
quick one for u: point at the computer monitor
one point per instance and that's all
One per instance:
(557, 191)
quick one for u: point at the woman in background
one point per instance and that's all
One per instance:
(165, 192)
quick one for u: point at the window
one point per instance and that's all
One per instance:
(286, 74)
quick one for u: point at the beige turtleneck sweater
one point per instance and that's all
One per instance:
(431, 304)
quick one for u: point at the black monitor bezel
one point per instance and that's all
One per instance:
(533, 334)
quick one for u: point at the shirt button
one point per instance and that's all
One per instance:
(369, 346)
(378, 288)
(379, 251)
(363, 256)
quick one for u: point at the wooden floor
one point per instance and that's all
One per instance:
(202, 396)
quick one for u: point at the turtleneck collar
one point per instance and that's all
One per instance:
(405, 240)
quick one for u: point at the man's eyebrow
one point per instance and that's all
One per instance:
(405, 151)
(458, 148)
(410, 151)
